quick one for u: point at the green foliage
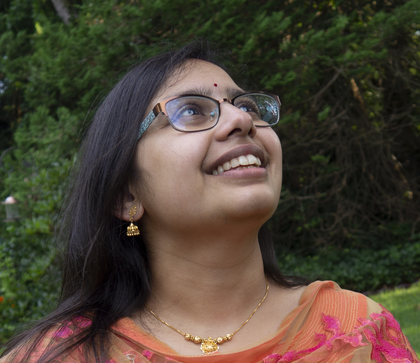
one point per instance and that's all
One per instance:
(348, 80)
(28, 278)
(361, 270)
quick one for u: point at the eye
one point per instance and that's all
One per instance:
(188, 111)
(248, 106)
(188, 114)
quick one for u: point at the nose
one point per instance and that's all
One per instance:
(233, 122)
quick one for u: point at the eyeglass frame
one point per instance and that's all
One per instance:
(160, 107)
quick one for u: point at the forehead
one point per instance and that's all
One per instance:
(200, 77)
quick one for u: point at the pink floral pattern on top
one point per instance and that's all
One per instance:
(148, 354)
(333, 314)
(383, 332)
(379, 338)
(74, 326)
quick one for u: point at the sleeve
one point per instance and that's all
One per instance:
(349, 327)
(382, 331)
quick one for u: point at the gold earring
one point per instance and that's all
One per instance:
(132, 229)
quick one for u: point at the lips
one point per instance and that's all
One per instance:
(244, 156)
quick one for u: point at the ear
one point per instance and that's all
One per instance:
(123, 211)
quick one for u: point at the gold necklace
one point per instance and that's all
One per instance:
(210, 345)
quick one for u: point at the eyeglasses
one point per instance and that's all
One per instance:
(192, 113)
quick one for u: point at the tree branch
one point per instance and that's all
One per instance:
(62, 11)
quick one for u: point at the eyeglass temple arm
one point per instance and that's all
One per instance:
(146, 123)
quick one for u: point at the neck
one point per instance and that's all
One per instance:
(202, 283)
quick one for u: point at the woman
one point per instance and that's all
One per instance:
(182, 155)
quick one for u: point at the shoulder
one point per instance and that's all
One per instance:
(348, 318)
(330, 297)
(325, 298)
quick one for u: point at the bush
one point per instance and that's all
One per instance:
(359, 270)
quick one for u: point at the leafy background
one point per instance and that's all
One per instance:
(347, 73)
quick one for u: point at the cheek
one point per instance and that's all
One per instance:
(171, 168)
(273, 147)
(273, 141)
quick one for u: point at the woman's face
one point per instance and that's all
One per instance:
(178, 167)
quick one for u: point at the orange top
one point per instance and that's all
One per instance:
(328, 325)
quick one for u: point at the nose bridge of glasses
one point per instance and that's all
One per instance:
(223, 100)
(228, 100)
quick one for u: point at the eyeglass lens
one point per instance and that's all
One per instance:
(263, 109)
(195, 113)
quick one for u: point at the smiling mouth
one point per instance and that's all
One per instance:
(241, 162)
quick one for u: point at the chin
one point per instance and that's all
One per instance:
(259, 210)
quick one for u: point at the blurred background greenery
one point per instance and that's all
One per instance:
(348, 75)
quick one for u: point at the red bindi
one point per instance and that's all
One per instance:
(215, 85)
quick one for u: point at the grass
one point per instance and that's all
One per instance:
(404, 304)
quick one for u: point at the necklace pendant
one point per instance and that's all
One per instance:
(209, 345)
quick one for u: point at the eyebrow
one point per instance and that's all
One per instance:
(230, 92)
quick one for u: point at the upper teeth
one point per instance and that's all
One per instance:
(244, 160)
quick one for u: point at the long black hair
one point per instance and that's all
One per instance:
(105, 273)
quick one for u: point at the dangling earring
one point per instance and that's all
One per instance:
(132, 229)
